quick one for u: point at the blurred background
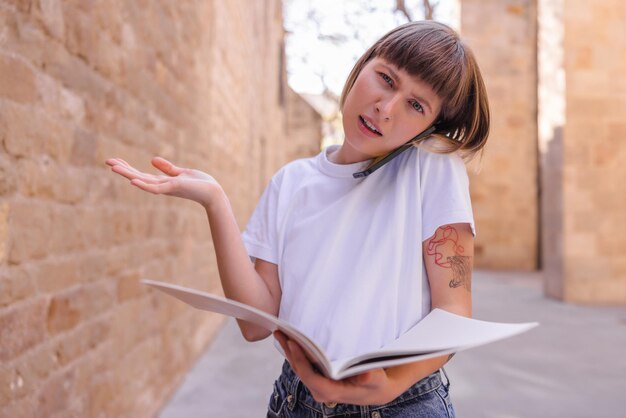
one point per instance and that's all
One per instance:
(239, 88)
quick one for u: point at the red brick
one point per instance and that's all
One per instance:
(21, 328)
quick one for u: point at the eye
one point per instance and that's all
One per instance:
(417, 106)
(387, 79)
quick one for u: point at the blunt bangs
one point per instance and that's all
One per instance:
(434, 53)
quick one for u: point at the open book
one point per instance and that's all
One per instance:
(437, 334)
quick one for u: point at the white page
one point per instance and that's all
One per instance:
(209, 302)
(440, 332)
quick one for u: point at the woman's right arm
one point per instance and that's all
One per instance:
(256, 285)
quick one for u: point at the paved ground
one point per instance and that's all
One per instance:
(573, 365)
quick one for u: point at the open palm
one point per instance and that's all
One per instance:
(181, 182)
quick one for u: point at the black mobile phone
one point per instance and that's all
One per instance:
(394, 153)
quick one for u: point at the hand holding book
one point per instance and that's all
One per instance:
(439, 333)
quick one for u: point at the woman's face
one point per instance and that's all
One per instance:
(385, 108)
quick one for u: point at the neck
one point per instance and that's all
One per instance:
(344, 156)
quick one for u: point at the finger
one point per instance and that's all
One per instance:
(123, 162)
(110, 161)
(305, 368)
(282, 340)
(131, 174)
(166, 166)
(317, 383)
(162, 188)
(117, 161)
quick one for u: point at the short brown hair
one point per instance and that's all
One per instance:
(434, 53)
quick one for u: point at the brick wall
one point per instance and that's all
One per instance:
(504, 191)
(201, 83)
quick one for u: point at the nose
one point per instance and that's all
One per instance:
(385, 107)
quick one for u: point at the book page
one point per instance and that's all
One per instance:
(440, 332)
(209, 302)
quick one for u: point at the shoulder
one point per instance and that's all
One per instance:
(299, 166)
(294, 171)
(430, 155)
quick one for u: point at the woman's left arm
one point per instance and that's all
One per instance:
(449, 259)
(448, 256)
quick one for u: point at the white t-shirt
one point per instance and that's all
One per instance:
(349, 251)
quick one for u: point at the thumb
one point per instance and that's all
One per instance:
(166, 166)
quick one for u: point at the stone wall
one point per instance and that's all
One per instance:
(200, 83)
(303, 123)
(583, 63)
(504, 190)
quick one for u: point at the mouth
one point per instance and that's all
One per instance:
(369, 126)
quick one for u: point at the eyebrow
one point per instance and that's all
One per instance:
(394, 75)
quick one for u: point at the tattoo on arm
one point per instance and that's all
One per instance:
(447, 238)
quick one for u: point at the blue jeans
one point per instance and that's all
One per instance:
(428, 398)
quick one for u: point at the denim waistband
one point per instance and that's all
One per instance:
(298, 392)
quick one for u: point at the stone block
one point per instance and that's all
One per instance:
(84, 148)
(28, 132)
(81, 340)
(68, 309)
(50, 12)
(4, 223)
(20, 86)
(56, 273)
(29, 228)
(129, 287)
(54, 397)
(16, 283)
(7, 175)
(25, 407)
(21, 327)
